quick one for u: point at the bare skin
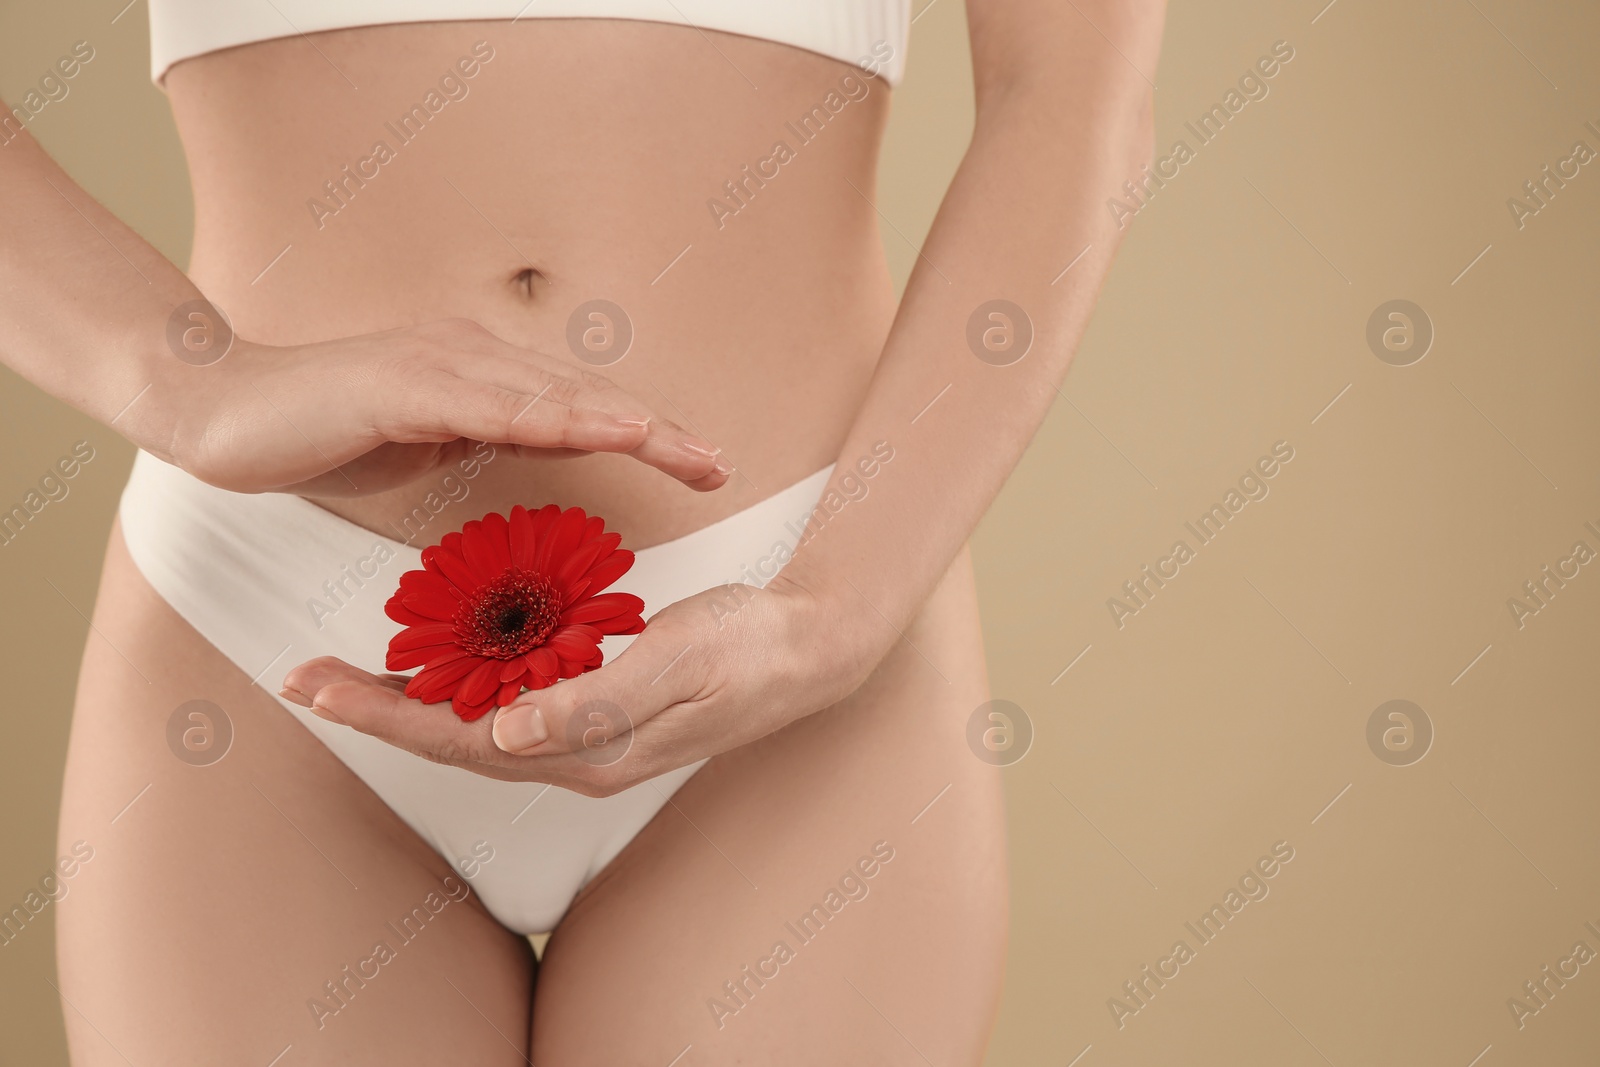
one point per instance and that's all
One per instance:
(772, 336)
(218, 904)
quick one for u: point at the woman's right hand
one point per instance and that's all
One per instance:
(347, 417)
(364, 414)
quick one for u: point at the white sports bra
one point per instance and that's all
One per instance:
(868, 32)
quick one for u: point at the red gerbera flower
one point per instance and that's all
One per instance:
(510, 603)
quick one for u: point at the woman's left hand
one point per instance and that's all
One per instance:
(708, 674)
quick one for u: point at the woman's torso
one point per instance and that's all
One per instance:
(593, 151)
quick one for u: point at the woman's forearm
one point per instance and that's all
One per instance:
(95, 316)
(1029, 199)
(85, 301)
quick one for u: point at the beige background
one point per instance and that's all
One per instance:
(1227, 714)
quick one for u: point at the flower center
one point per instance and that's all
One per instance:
(512, 614)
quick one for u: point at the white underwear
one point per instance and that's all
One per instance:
(273, 580)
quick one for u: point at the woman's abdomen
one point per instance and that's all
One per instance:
(692, 206)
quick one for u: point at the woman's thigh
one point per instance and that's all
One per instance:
(268, 901)
(801, 901)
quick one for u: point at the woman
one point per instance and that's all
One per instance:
(549, 255)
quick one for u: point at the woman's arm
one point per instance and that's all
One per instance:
(1063, 120)
(95, 316)
(83, 299)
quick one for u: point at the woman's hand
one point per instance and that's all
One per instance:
(364, 414)
(710, 673)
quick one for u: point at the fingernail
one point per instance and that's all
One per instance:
(619, 420)
(323, 713)
(723, 467)
(517, 729)
(294, 696)
(701, 445)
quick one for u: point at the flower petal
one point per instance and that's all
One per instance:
(425, 656)
(434, 683)
(477, 554)
(609, 569)
(470, 712)
(425, 581)
(584, 559)
(544, 524)
(432, 633)
(508, 692)
(576, 594)
(451, 655)
(597, 609)
(497, 535)
(480, 684)
(562, 540)
(572, 642)
(404, 615)
(523, 538)
(407, 658)
(445, 560)
(438, 598)
(397, 610)
(432, 606)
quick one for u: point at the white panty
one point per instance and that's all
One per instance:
(273, 580)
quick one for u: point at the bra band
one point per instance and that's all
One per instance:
(868, 33)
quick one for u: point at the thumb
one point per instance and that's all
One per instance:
(593, 714)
